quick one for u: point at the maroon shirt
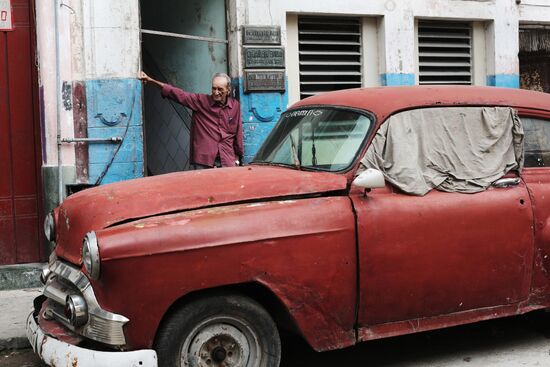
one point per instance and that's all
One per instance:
(215, 129)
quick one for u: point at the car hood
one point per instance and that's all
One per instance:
(108, 205)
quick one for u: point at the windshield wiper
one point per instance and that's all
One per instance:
(294, 152)
(313, 150)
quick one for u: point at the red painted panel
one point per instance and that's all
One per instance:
(443, 253)
(25, 205)
(6, 208)
(20, 239)
(538, 182)
(7, 241)
(302, 250)
(151, 196)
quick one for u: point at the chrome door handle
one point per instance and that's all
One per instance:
(505, 182)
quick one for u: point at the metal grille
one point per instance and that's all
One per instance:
(329, 54)
(445, 52)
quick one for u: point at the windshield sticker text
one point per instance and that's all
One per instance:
(304, 113)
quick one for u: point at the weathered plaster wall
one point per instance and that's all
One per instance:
(535, 11)
(92, 44)
(396, 25)
(47, 78)
(99, 55)
(495, 43)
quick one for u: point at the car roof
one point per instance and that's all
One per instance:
(385, 101)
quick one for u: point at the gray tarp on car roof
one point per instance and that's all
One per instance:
(455, 149)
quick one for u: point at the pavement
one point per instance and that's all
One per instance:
(15, 306)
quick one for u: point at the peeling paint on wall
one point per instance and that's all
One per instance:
(260, 112)
(114, 111)
(66, 96)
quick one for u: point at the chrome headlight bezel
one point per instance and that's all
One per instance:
(76, 310)
(49, 227)
(90, 255)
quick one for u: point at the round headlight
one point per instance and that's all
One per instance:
(90, 255)
(49, 227)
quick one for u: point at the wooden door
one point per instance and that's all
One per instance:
(20, 190)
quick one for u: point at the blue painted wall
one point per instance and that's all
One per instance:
(260, 112)
(390, 79)
(503, 80)
(114, 110)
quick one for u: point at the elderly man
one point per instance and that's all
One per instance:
(216, 126)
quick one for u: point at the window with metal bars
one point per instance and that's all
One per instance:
(445, 52)
(329, 54)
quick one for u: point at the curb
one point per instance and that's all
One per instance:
(20, 276)
(18, 342)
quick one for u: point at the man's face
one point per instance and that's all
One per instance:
(220, 90)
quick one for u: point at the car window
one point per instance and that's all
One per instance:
(537, 142)
(316, 138)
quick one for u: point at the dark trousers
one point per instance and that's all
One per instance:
(217, 164)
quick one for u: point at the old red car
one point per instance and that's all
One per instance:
(367, 213)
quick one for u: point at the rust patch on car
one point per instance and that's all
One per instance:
(66, 216)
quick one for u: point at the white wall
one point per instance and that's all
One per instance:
(496, 25)
(111, 30)
(47, 76)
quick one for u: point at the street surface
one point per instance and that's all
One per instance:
(518, 341)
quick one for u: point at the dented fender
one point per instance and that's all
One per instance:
(302, 250)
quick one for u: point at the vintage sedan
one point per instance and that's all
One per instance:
(366, 214)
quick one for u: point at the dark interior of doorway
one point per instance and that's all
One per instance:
(187, 64)
(534, 58)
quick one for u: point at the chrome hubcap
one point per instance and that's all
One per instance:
(221, 342)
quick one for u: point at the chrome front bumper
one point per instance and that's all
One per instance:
(57, 353)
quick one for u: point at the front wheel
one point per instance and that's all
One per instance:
(229, 331)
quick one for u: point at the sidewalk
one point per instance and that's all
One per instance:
(15, 306)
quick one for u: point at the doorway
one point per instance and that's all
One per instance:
(184, 44)
(534, 58)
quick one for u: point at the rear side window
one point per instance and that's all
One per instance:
(536, 142)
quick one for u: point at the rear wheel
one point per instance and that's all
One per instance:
(229, 331)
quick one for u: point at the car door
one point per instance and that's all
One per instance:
(424, 257)
(536, 175)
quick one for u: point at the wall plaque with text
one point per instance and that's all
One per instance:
(5, 16)
(264, 57)
(264, 81)
(260, 35)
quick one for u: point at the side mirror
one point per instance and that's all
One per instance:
(370, 179)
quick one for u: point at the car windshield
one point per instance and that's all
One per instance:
(316, 138)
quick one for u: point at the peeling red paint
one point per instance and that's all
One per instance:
(55, 329)
(161, 194)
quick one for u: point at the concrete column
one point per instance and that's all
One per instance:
(503, 45)
(261, 110)
(398, 39)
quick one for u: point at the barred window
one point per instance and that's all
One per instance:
(445, 52)
(329, 53)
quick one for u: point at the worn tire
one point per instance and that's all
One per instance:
(232, 330)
